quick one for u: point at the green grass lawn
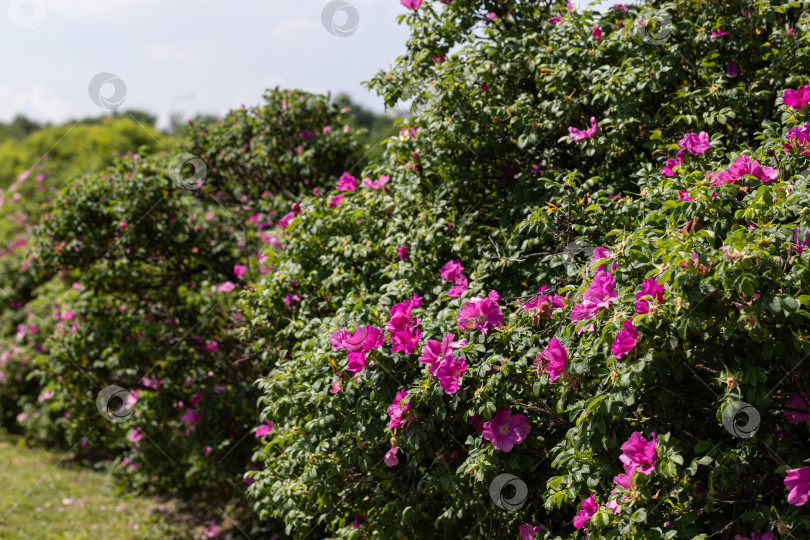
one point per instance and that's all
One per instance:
(43, 496)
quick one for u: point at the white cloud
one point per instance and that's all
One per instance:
(93, 8)
(38, 103)
(296, 25)
(168, 54)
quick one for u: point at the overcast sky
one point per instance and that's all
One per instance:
(188, 56)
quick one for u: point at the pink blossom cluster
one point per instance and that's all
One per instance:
(638, 456)
(599, 295)
(358, 343)
(797, 482)
(625, 340)
(346, 182)
(796, 99)
(505, 430)
(483, 314)
(600, 253)
(798, 137)
(742, 166)
(527, 530)
(552, 360)
(397, 410)
(800, 246)
(576, 134)
(544, 303)
(692, 143)
(453, 271)
(442, 362)
(375, 184)
(650, 290)
(402, 328)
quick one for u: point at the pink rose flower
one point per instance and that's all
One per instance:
(481, 313)
(391, 459)
(434, 354)
(684, 196)
(504, 431)
(755, 536)
(284, 222)
(796, 98)
(797, 483)
(449, 373)
(190, 417)
(404, 334)
(545, 301)
(577, 134)
(731, 70)
(669, 166)
(527, 530)
(589, 508)
(264, 429)
(364, 339)
(746, 166)
(397, 409)
(291, 300)
(226, 287)
(639, 454)
(451, 270)
(597, 296)
(135, 435)
(796, 410)
(346, 182)
(459, 287)
(625, 340)
(695, 143)
(377, 184)
(335, 201)
(554, 358)
(650, 288)
(411, 4)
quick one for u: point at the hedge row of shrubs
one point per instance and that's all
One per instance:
(614, 314)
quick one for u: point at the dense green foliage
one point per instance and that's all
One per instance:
(36, 163)
(209, 297)
(491, 178)
(152, 257)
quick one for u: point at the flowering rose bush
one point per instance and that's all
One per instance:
(615, 391)
(155, 270)
(33, 171)
(417, 326)
(293, 142)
